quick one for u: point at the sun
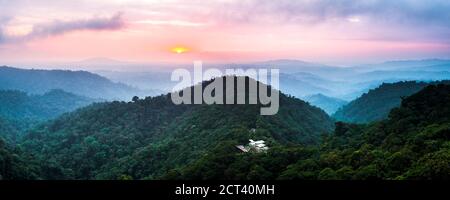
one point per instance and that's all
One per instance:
(179, 50)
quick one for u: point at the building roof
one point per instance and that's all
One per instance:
(242, 148)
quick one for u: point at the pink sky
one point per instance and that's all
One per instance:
(223, 31)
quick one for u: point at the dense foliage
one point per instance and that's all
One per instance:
(8, 131)
(412, 144)
(16, 105)
(152, 138)
(376, 104)
(146, 138)
(19, 111)
(16, 165)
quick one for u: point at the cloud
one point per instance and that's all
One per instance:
(57, 27)
(1, 36)
(171, 23)
(384, 19)
(408, 12)
(3, 20)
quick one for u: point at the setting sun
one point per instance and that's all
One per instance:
(179, 50)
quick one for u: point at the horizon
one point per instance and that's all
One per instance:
(97, 64)
(344, 33)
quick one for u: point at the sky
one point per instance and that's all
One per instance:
(325, 31)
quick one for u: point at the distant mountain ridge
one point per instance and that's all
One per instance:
(405, 65)
(376, 104)
(78, 82)
(300, 78)
(329, 104)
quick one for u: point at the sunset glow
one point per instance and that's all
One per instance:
(224, 31)
(179, 50)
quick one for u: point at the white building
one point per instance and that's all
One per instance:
(256, 146)
(242, 148)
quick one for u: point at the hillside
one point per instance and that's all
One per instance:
(18, 105)
(19, 111)
(412, 144)
(8, 131)
(376, 104)
(329, 104)
(78, 82)
(146, 138)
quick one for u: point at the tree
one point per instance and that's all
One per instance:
(135, 99)
(327, 174)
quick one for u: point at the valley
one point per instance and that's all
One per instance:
(54, 134)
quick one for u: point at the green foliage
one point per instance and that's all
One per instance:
(152, 138)
(19, 111)
(225, 162)
(147, 138)
(19, 106)
(8, 131)
(376, 104)
(434, 165)
(412, 144)
(15, 165)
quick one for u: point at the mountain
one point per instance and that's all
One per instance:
(413, 143)
(329, 104)
(154, 139)
(376, 104)
(301, 79)
(297, 84)
(404, 75)
(145, 138)
(20, 111)
(82, 83)
(295, 66)
(100, 61)
(298, 87)
(16, 105)
(434, 68)
(409, 65)
(297, 78)
(159, 81)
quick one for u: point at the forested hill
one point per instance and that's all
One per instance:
(16, 105)
(20, 111)
(78, 82)
(145, 138)
(414, 143)
(376, 104)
